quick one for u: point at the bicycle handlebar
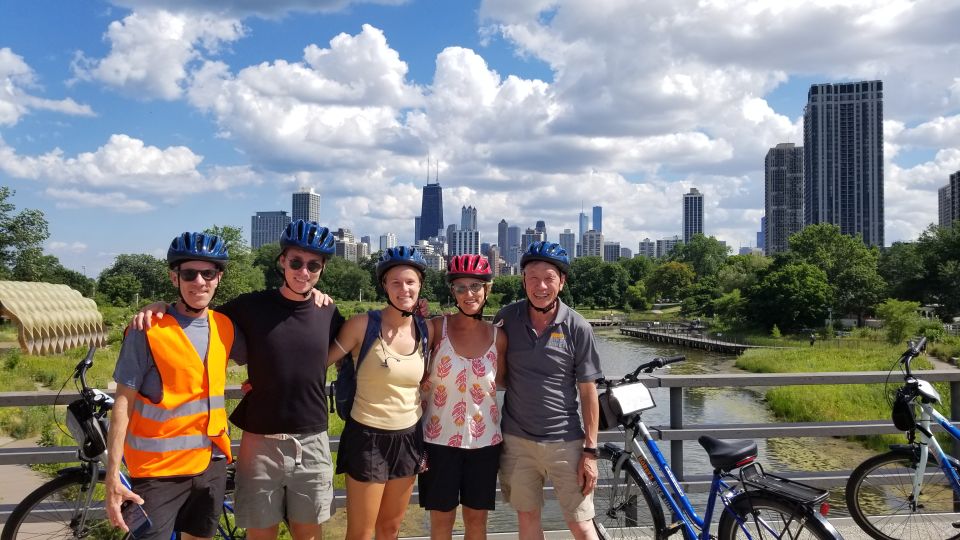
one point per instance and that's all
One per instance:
(656, 363)
(80, 372)
(912, 352)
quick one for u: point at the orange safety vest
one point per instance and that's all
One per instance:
(173, 437)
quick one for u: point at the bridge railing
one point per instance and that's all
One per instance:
(676, 431)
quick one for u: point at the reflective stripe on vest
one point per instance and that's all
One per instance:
(175, 437)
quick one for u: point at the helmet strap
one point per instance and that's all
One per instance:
(186, 305)
(478, 315)
(547, 309)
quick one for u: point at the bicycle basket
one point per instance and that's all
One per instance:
(620, 401)
(904, 411)
(86, 430)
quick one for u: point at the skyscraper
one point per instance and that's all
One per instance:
(666, 245)
(529, 236)
(306, 205)
(512, 252)
(611, 251)
(387, 241)
(584, 223)
(598, 218)
(568, 241)
(468, 218)
(954, 197)
(502, 235)
(463, 242)
(843, 158)
(431, 211)
(541, 227)
(762, 235)
(591, 245)
(416, 229)
(783, 196)
(266, 227)
(647, 248)
(692, 214)
(944, 206)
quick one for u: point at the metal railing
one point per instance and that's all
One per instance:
(675, 432)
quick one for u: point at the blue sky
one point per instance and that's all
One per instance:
(128, 122)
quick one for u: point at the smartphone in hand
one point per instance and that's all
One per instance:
(135, 518)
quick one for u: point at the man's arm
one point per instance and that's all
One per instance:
(590, 410)
(116, 492)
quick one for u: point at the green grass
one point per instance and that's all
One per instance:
(825, 403)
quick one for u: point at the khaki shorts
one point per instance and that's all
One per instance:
(526, 465)
(283, 477)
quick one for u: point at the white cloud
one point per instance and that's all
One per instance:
(17, 81)
(116, 201)
(151, 51)
(66, 247)
(106, 177)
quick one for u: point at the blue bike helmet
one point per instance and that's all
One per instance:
(308, 236)
(193, 246)
(550, 252)
(400, 256)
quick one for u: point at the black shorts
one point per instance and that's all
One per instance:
(460, 476)
(189, 504)
(369, 454)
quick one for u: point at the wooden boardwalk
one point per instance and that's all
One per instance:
(687, 340)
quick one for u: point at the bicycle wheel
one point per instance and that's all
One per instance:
(626, 507)
(880, 498)
(767, 518)
(55, 509)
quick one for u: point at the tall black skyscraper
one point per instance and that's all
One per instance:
(783, 196)
(431, 211)
(843, 158)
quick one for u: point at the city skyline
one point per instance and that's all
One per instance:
(181, 116)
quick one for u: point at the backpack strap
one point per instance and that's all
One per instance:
(374, 321)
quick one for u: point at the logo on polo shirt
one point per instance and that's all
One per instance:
(557, 340)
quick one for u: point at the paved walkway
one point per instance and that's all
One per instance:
(18, 480)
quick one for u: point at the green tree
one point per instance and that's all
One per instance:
(241, 275)
(792, 296)
(510, 289)
(704, 254)
(610, 285)
(265, 259)
(150, 274)
(119, 289)
(32, 265)
(901, 266)
(638, 268)
(636, 296)
(731, 308)
(850, 266)
(345, 280)
(669, 280)
(582, 280)
(939, 250)
(900, 318)
(741, 272)
(19, 232)
(698, 298)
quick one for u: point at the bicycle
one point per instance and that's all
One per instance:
(894, 495)
(630, 493)
(71, 505)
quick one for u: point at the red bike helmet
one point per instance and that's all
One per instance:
(472, 266)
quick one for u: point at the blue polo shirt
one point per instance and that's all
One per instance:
(541, 402)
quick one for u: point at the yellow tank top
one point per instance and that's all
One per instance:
(388, 388)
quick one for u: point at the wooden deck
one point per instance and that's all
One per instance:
(686, 340)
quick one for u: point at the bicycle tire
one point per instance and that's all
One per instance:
(626, 505)
(50, 511)
(879, 493)
(766, 517)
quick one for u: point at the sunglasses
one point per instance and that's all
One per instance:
(474, 287)
(312, 266)
(190, 274)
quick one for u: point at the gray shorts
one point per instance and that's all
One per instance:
(283, 477)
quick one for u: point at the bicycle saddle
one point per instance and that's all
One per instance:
(728, 455)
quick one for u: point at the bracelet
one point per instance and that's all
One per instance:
(337, 343)
(590, 450)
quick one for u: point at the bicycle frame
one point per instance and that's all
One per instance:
(928, 440)
(676, 497)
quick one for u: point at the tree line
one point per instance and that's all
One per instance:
(823, 272)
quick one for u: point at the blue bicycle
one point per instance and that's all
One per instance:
(629, 490)
(913, 490)
(71, 505)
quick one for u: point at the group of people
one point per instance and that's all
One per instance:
(425, 407)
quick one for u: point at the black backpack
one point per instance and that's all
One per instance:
(344, 389)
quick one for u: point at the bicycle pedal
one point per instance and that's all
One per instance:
(673, 528)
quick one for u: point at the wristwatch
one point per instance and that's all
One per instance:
(590, 450)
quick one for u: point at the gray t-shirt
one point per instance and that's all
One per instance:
(137, 369)
(541, 402)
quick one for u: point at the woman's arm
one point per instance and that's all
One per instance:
(349, 338)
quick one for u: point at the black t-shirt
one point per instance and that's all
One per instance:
(287, 343)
